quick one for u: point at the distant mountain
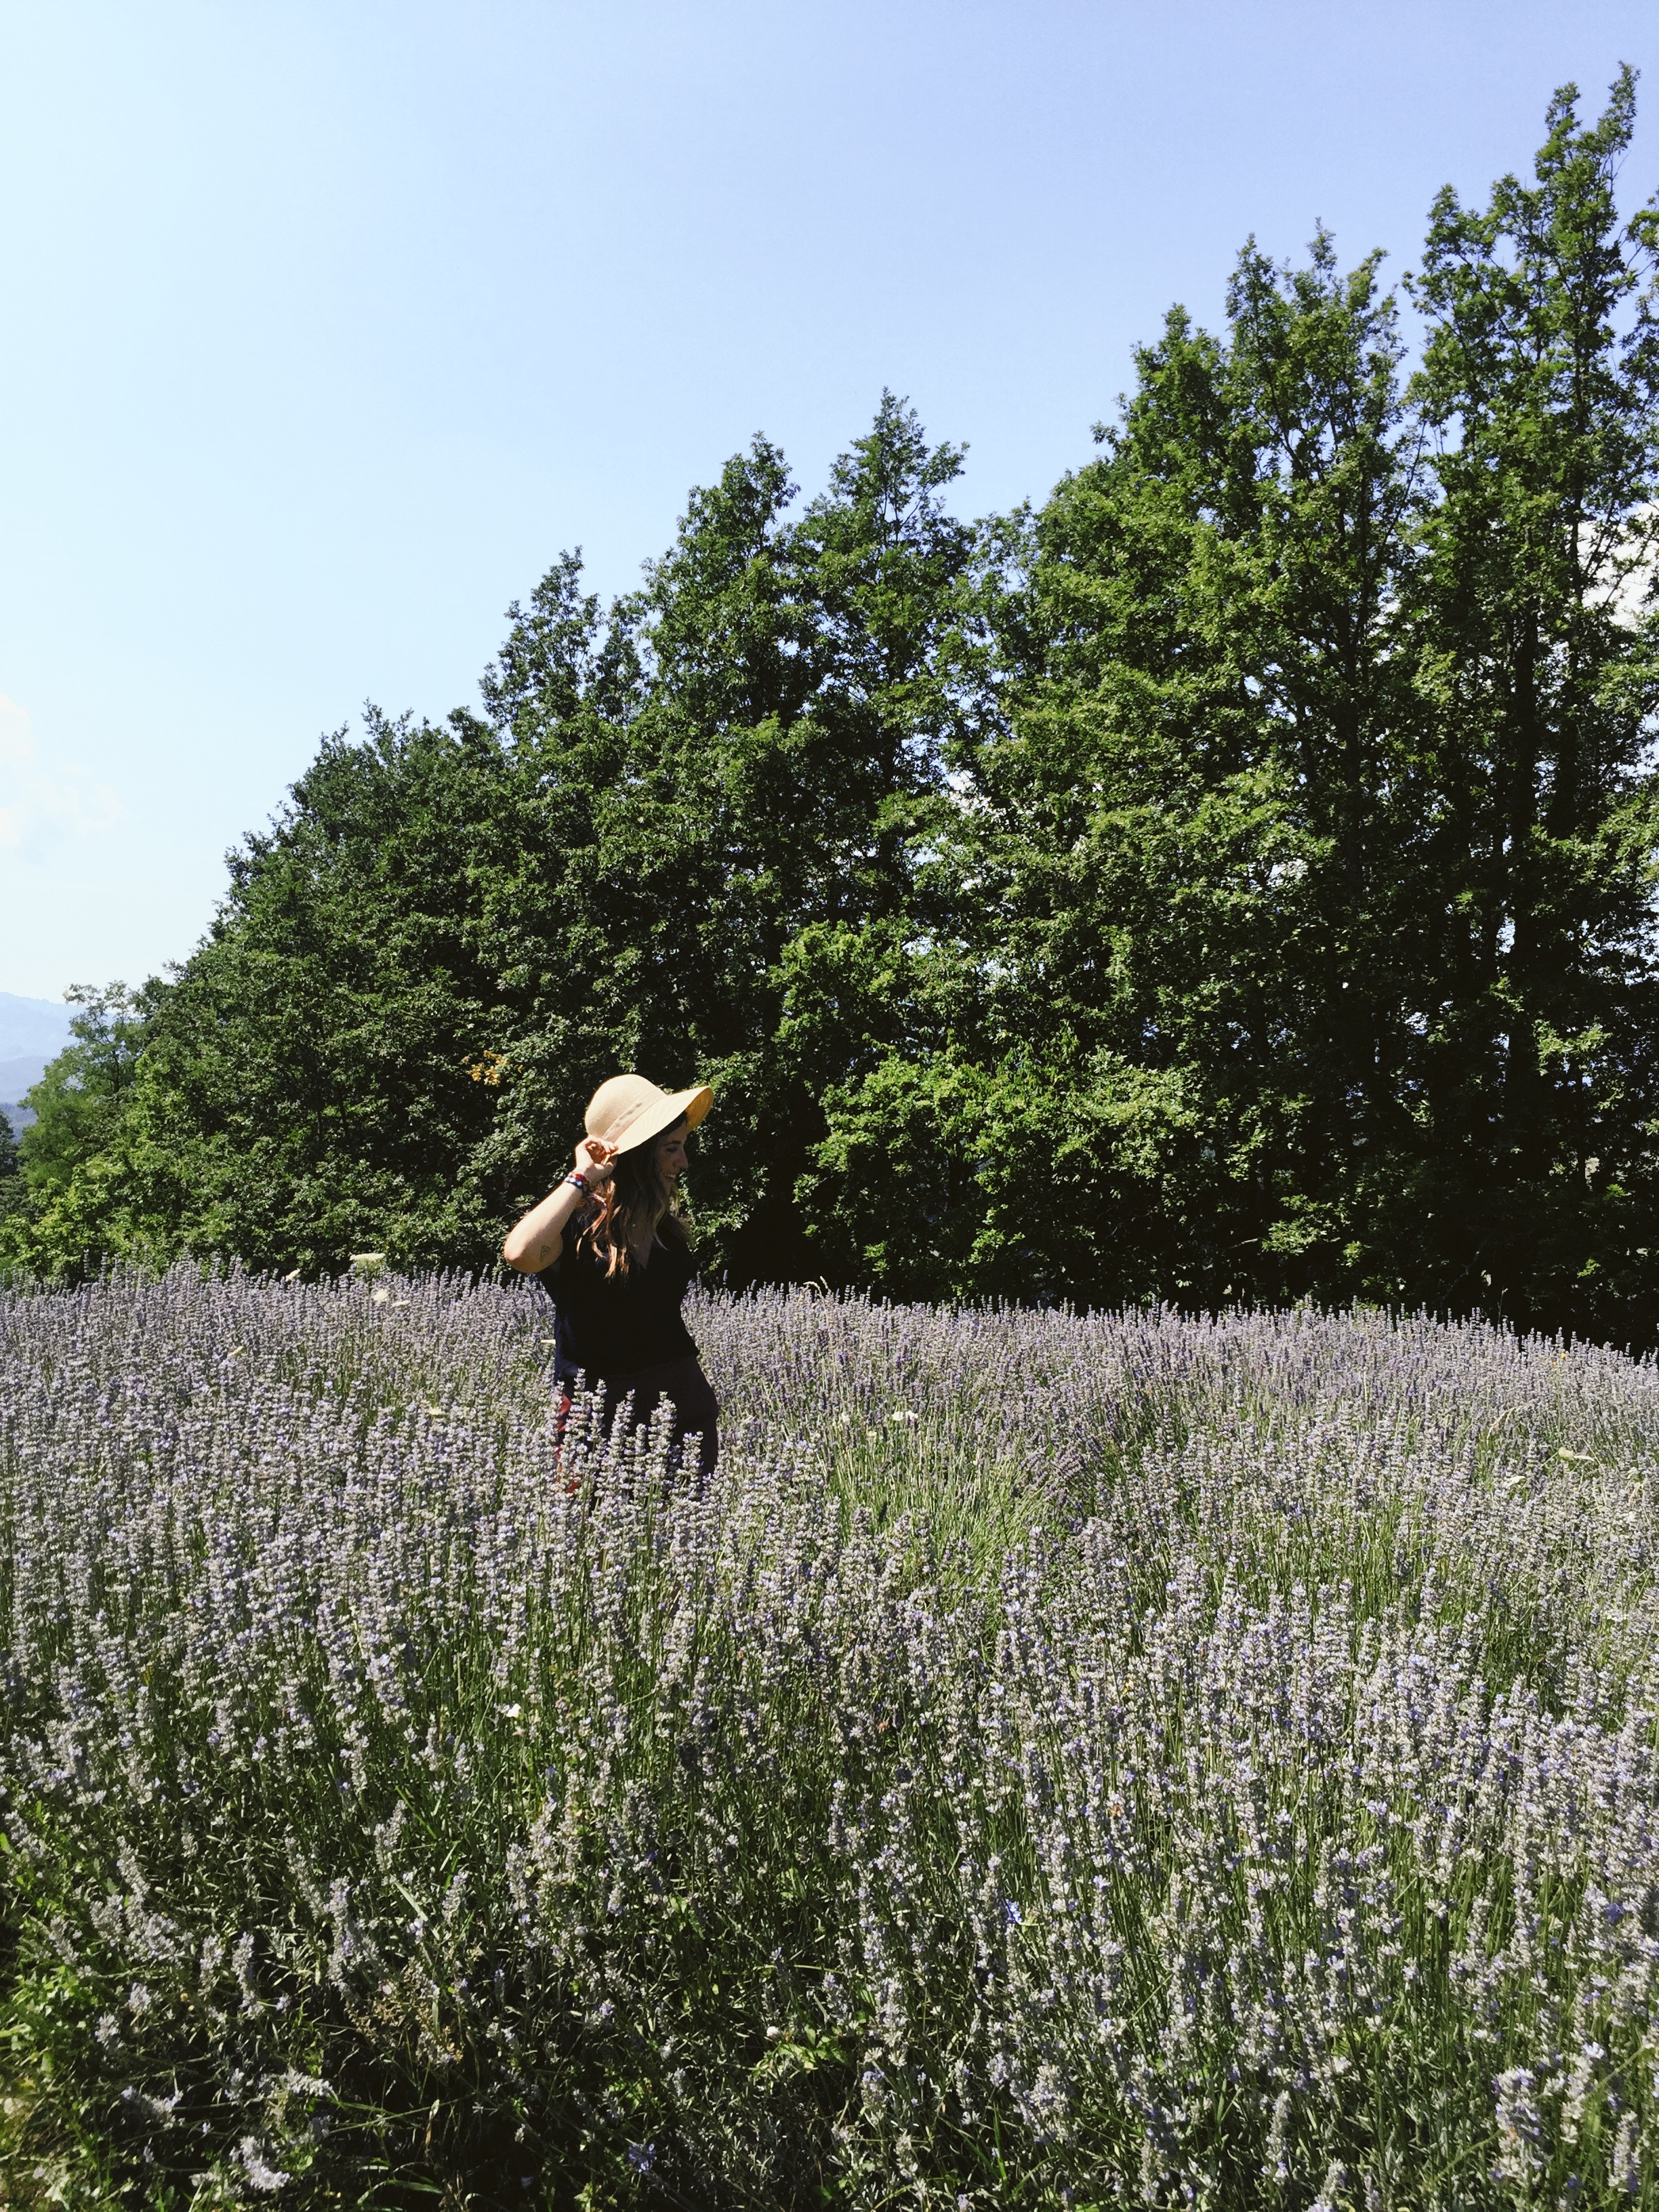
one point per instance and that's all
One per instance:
(18, 1074)
(31, 1032)
(30, 1029)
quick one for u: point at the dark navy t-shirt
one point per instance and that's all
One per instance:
(613, 1324)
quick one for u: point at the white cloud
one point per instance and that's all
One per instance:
(40, 803)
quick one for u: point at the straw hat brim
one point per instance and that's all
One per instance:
(693, 1103)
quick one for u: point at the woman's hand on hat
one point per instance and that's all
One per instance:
(595, 1159)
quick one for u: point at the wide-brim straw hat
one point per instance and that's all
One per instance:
(628, 1110)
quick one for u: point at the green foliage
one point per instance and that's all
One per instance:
(53, 1176)
(80, 1099)
(455, 931)
(1541, 380)
(1192, 875)
(1233, 880)
(1304, 937)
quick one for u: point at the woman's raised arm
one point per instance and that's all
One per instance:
(536, 1241)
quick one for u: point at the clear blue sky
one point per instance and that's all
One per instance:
(328, 323)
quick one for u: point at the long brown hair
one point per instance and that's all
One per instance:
(636, 1195)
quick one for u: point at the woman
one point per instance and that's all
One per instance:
(612, 1251)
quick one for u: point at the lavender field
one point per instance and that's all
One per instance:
(1054, 1761)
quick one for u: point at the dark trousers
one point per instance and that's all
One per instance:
(683, 1383)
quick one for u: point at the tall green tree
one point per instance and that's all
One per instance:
(1537, 1080)
(80, 1100)
(454, 932)
(1234, 879)
(793, 702)
(79, 1108)
(1310, 938)
(1171, 999)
